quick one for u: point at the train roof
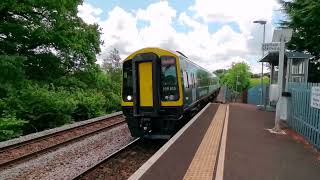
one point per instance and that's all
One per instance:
(161, 51)
(152, 49)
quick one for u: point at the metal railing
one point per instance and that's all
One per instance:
(302, 117)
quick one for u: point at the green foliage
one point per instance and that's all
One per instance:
(49, 34)
(256, 81)
(47, 107)
(44, 107)
(89, 104)
(112, 60)
(11, 74)
(303, 18)
(112, 66)
(220, 72)
(48, 75)
(240, 72)
(10, 127)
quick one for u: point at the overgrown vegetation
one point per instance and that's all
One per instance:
(48, 74)
(257, 81)
(237, 77)
(303, 18)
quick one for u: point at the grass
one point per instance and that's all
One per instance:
(256, 81)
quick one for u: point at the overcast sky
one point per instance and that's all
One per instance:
(213, 33)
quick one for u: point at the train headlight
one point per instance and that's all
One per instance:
(129, 98)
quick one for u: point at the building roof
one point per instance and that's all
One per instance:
(273, 57)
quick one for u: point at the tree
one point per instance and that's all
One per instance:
(111, 62)
(238, 77)
(220, 72)
(303, 18)
(48, 75)
(112, 66)
(49, 34)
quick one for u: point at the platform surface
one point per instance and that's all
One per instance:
(174, 163)
(254, 153)
(251, 152)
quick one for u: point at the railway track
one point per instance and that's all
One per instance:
(122, 163)
(20, 152)
(92, 168)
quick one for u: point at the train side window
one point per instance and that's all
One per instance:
(169, 81)
(190, 80)
(193, 81)
(185, 79)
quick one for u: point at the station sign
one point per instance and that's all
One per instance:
(315, 97)
(274, 46)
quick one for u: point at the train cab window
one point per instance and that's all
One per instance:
(169, 79)
(127, 88)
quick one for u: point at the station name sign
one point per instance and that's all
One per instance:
(315, 97)
(274, 46)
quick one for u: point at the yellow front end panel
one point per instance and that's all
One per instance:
(145, 84)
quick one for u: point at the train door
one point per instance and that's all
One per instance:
(145, 84)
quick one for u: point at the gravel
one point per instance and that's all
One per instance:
(35, 146)
(54, 130)
(69, 161)
(124, 164)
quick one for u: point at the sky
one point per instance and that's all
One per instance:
(212, 33)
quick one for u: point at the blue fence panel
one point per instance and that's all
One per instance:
(254, 94)
(302, 117)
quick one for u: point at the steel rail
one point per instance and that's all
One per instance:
(90, 169)
(63, 143)
(51, 132)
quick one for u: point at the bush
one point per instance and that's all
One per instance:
(11, 74)
(10, 127)
(44, 107)
(89, 104)
(257, 81)
(113, 102)
(47, 106)
(74, 97)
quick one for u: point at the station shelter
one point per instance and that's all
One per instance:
(295, 70)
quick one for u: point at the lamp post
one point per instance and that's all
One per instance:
(262, 22)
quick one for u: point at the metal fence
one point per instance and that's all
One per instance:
(302, 117)
(254, 94)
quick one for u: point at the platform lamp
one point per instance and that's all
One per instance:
(262, 22)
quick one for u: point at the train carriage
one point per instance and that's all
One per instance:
(160, 89)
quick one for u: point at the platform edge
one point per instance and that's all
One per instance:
(139, 173)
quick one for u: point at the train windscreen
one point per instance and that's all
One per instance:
(127, 91)
(169, 81)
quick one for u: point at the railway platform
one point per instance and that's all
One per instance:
(231, 142)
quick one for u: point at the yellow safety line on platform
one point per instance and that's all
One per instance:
(222, 151)
(203, 163)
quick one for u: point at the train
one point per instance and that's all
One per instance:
(161, 90)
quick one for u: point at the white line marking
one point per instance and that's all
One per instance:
(222, 152)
